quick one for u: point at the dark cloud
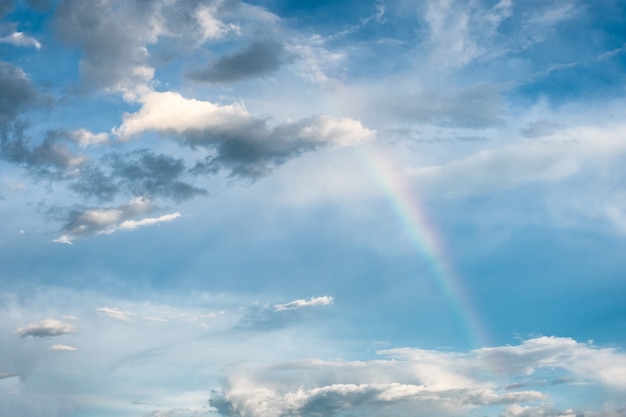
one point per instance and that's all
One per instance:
(259, 58)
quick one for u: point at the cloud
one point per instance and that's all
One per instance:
(112, 36)
(51, 158)
(63, 348)
(279, 316)
(84, 138)
(416, 381)
(39, 5)
(236, 141)
(259, 58)
(17, 93)
(19, 39)
(89, 222)
(297, 304)
(5, 7)
(115, 313)
(46, 328)
(137, 173)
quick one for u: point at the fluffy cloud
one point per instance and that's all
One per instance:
(417, 382)
(236, 141)
(46, 328)
(110, 220)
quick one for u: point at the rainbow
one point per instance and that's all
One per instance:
(424, 237)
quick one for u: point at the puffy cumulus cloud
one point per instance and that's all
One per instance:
(88, 222)
(236, 141)
(46, 328)
(19, 39)
(420, 382)
(259, 58)
(297, 304)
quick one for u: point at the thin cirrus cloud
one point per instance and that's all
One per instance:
(46, 328)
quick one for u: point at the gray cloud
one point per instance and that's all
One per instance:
(540, 128)
(39, 5)
(5, 7)
(259, 58)
(51, 158)
(82, 222)
(236, 141)
(17, 93)
(46, 328)
(112, 38)
(138, 173)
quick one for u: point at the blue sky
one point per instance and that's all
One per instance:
(292, 208)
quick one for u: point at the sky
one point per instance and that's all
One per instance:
(281, 208)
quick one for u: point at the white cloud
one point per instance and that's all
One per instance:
(115, 313)
(19, 39)
(111, 220)
(63, 348)
(85, 138)
(169, 111)
(211, 26)
(46, 328)
(297, 304)
(421, 382)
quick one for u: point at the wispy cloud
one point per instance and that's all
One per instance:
(19, 39)
(63, 348)
(115, 313)
(297, 304)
